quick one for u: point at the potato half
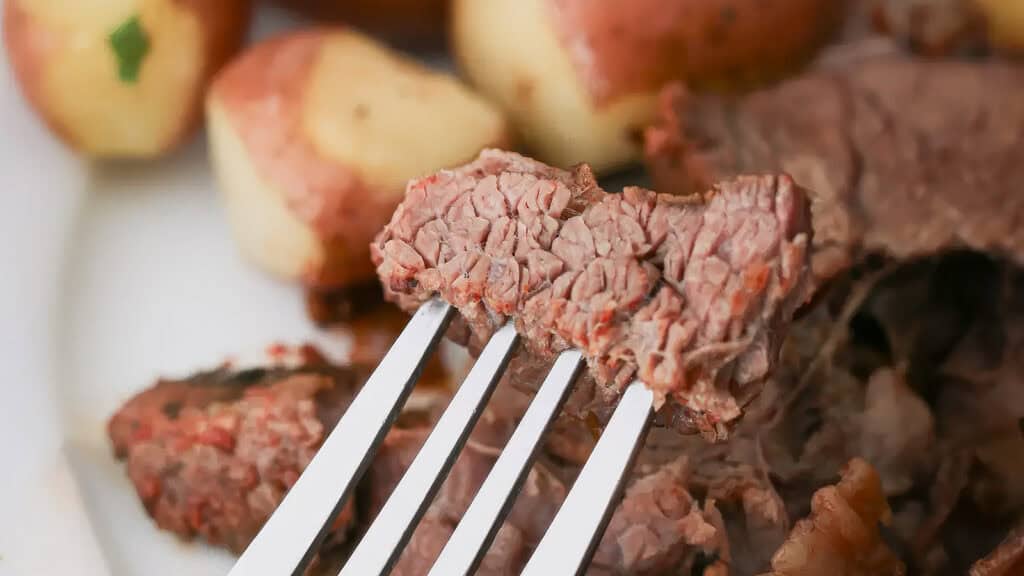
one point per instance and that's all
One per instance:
(120, 78)
(313, 137)
(579, 78)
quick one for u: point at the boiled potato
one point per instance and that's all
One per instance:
(315, 134)
(121, 78)
(406, 22)
(579, 78)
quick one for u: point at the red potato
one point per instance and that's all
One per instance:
(120, 79)
(579, 78)
(313, 136)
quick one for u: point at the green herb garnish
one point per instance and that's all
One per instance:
(130, 44)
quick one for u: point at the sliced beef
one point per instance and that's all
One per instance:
(212, 455)
(905, 157)
(690, 295)
(841, 535)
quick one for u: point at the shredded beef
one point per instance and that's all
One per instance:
(935, 409)
(690, 295)
(841, 535)
(913, 367)
(905, 157)
(211, 456)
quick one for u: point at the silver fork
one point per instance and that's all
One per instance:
(291, 536)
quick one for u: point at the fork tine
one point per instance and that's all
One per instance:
(473, 535)
(570, 540)
(384, 540)
(290, 537)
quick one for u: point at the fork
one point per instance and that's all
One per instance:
(291, 536)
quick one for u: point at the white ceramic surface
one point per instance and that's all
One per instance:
(112, 275)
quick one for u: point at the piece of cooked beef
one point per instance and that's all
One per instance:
(841, 536)
(690, 295)
(904, 157)
(212, 455)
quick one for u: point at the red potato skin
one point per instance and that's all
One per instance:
(315, 187)
(414, 23)
(632, 46)
(29, 47)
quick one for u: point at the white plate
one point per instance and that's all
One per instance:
(112, 275)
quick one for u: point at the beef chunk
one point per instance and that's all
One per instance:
(841, 535)
(212, 455)
(904, 157)
(690, 295)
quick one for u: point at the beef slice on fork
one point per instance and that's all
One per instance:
(690, 294)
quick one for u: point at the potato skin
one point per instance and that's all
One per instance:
(28, 48)
(416, 23)
(71, 103)
(629, 46)
(301, 137)
(584, 87)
